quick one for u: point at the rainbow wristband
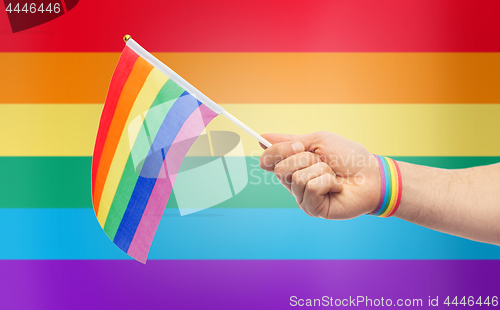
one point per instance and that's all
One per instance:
(390, 196)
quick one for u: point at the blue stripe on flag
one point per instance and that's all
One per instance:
(176, 117)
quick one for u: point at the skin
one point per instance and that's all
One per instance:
(334, 178)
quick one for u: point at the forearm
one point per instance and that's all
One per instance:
(462, 202)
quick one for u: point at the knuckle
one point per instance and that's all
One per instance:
(316, 159)
(312, 157)
(322, 180)
(299, 159)
(311, 187)
(303, 156)
(320, 134)
(279, 149)
(324, 166)
(328, 178)
(262, 162)
(333, 179)
(297, 177)
(323, 158)
(287, 176)
(279, 169)
(266, 161)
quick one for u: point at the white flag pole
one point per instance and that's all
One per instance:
(190, 88)
(249, 130)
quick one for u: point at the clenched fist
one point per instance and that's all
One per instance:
(329, 176)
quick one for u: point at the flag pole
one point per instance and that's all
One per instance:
(249, 130)
(191, 89)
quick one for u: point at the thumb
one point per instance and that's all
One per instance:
(307, 140)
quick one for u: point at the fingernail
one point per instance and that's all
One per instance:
(298, 147)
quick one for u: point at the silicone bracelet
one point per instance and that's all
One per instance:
(392, 187)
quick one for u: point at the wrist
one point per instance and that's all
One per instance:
(421, 184)
(376, 183)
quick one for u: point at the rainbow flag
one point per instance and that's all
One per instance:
(150, 120)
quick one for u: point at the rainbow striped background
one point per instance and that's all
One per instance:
(418, 81)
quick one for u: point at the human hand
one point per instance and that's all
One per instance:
(330, 176)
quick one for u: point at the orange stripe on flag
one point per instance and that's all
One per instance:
(130, 91)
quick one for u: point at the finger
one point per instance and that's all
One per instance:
(307, 140)
(301, 177)
(278, 152)
(280, 137)
(316, 189)
(286, 168)
(273, 155)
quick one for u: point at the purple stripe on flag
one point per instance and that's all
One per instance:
(153, 213)
(238, 284)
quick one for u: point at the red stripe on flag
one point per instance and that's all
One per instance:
(268, 26)
(120, 76)
(127, 96)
